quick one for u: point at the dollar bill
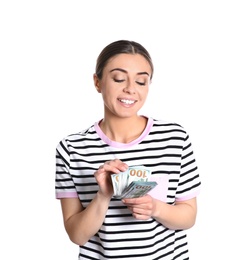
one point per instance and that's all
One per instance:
(138, 189)
(121, 181)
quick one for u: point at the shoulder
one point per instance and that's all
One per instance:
(83, 133)
(164, 125)
(78, 136)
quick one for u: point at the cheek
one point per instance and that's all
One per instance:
(143, 93)
(107, 96)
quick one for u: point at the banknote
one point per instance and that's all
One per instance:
(138, 189)
(121, 181)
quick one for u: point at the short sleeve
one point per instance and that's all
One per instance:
(189, 183)
(64, 185)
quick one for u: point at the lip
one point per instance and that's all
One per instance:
(129, 101)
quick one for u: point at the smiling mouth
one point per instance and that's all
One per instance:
(127, 101)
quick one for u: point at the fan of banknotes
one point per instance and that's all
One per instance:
(132, 183)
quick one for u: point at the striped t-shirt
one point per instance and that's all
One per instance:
(166, 150)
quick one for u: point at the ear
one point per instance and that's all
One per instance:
(97, 83)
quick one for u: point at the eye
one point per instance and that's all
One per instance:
(119, 80)
(141, 83)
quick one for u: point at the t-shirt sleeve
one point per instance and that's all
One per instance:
(64, 185)
(189, 183)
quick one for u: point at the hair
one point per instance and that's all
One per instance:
(119, 47)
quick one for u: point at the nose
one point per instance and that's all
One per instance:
(130, 88)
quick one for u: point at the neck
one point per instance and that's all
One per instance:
(123, 130)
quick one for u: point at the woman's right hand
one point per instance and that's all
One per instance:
(103, 175)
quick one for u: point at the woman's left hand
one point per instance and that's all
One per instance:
(142, 208)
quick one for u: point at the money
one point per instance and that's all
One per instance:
(138, 189)
(132, 183)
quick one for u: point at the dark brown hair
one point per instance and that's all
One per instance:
(118, 47)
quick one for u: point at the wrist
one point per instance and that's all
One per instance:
(103, 197)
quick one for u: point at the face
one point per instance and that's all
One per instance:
(124, 85)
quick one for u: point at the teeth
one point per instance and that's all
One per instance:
(126, 101)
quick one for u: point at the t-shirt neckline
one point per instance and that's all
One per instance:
(121, 145)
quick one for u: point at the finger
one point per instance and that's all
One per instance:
(115, 166)
(118, 164)
(141, 217)
(135, 201)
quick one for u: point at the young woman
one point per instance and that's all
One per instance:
(148, 227)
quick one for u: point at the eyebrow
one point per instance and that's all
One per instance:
(124, 71)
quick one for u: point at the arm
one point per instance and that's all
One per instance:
(83, 223)
(181, 215)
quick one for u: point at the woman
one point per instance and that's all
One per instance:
(148, 227)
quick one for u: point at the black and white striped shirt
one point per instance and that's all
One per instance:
(164, 148)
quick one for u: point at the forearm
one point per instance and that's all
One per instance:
(178, 216)
(85, 224)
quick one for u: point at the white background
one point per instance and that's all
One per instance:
(48, 51)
